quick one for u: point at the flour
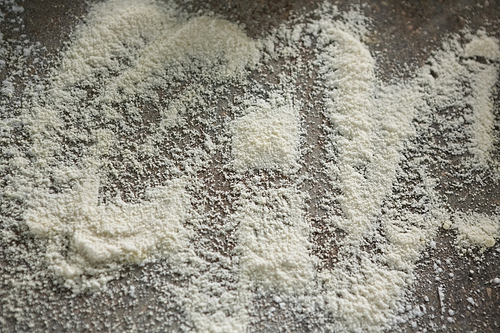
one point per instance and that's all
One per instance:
(370, 122)
(113, 233)
(476, 229)
(170, 150)
(101, 235)
(273, 248)
(267, 137)
(369, 128)
(482, 46)
(483, 85)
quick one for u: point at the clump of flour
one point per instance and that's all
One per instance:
(267, 137)
(476, 229)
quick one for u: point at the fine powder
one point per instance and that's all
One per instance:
(128, 135)
(267, 137)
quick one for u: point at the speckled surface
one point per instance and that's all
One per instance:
(403, 34)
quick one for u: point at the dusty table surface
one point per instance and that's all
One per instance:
(401, 32)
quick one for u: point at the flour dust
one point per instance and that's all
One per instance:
(174, 142)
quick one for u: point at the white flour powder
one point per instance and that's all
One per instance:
(101, 234)
(157, 139)
(267, 137)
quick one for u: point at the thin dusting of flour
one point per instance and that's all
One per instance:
(171, 157)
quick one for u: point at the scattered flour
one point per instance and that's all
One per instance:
(100, 234)
(273, 246)
(129, 159)
(370, 123)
